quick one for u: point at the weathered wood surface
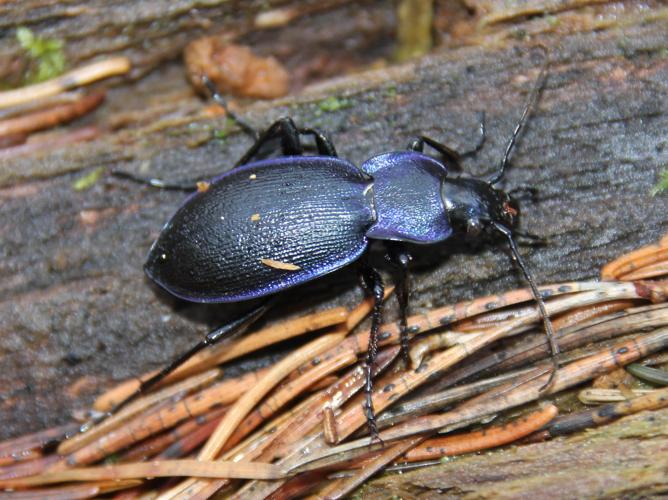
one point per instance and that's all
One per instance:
(621, 460)
(154, 32)
(76, 312)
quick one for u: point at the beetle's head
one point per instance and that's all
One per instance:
(474, 205)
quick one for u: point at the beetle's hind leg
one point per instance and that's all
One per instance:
(399, 258)
(227, 330)
(373, 283)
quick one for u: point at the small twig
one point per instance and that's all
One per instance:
(630, 266)
(51, 142)
(595, 396)
(533, 347)
(567, 424)
(288, 391)
(273, 376)
(29, 467)
(159, 444)
(13, 450)
(164, 417)
(490, 437)
(62, 113)
(437, 401)
(115, 421)
(334, 398)
(342, 488)
(226, 427)
(157, 468)
(70, 492)
(68, 81)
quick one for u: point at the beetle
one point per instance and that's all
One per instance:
(269, 224)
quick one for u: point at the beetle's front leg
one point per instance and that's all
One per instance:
(448, 153)
(399, 257)
(373, 283)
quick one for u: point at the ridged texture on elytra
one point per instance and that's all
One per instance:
(407, 194)
(310, 212)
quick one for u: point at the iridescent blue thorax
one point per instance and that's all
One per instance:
(407, 198)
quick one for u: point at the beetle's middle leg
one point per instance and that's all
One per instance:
(399, 258)
(373, 283)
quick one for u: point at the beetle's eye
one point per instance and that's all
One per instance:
(473, 227)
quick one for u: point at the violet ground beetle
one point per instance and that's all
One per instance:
(270, 224)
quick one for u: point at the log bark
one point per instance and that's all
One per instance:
(615, 461)
(77, 314)
(152, 33)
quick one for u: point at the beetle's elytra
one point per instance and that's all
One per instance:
(273, 223)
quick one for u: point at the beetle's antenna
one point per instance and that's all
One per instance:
(549, 331)
(531, 101)
(220, 100)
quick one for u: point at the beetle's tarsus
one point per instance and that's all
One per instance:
(374, 284)
(553, 373)
(369, 411)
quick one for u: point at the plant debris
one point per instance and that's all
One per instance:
(234, 69)
(47, 53)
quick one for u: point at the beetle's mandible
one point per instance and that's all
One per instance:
(232, 241)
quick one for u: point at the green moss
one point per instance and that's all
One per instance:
(332, 104)
(662, 185)
(552, 20)
(47, 53)
(222, 133)
(88, 180)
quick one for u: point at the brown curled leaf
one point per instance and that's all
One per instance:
(235, 69)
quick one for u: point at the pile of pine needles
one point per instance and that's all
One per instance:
(299, 427)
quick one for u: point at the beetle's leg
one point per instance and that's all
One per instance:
(227, 330)
(323, 143)
(448, 153)
(373, 282)
(532, 240)
(283, 130)
(220, 100)
(157, 183)
(481, 139)
(399, 257)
